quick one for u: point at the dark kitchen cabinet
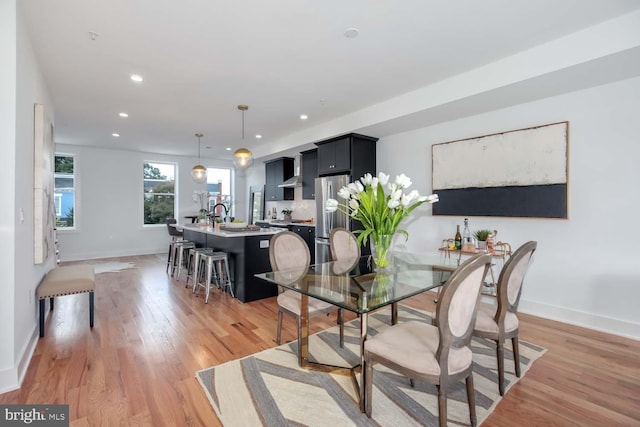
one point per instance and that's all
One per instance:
(277, 171)
(309, 173)
(308, 234)
(351, 154)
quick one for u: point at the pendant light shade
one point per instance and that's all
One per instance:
(242, 157)
(199, 172)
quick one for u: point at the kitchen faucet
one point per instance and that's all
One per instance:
(226, 211)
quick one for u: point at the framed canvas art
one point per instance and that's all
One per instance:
(44, 211)
(519, 173)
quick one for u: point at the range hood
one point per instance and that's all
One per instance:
(296, 180)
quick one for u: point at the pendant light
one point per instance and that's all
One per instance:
(199, 172)
(242, 158)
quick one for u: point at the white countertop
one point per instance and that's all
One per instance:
(283, 223)
(213, 232)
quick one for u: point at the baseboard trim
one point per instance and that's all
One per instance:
(115, 254)
(596, 322)
(11, 379)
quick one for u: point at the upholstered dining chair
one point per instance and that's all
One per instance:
(288, 251)
(499, 321)
(438, 354)
(343, 245)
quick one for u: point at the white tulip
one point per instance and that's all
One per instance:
(354, 204)
(359, 186)
(432, 198)
(383, 178)
(392, 204)
(352, 188)
(396, 195)
(344, 193)
(403, 181)
(366, 179)
(331, 205)
(374, 183)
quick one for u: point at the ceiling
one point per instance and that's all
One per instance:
(283, 58)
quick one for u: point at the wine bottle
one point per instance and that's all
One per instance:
(458, 238)
(467, 241)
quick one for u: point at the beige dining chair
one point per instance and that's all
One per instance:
(499, 321)
(288, 251)
(343, 245)
(438, 354)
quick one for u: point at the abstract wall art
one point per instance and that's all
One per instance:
(44, 212)
(519, 173)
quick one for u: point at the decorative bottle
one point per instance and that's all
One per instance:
(458, 238)
(467, 241)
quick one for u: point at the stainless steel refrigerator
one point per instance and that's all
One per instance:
(327, 188)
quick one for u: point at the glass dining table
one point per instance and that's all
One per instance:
(355, 286)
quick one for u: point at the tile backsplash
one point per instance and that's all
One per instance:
(302, 209)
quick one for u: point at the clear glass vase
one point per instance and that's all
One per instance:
(381, 249)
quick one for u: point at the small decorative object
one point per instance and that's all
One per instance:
(287, 214)
(380, 205)
(201, 197)
(481, 237)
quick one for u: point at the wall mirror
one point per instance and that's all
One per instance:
(256, 204)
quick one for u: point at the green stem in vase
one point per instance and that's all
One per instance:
(380, 249)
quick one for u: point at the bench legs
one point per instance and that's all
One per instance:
(91, 309)
(91, 304)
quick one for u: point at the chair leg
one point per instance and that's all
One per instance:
(279, 332)
(42, 318)
(500, 357)
(341, 323)
(516, 355)
(91, 305)
(471, 398)
(442, 405)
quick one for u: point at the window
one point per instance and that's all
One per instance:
(64, 190)
(159, 192)
(219, 188)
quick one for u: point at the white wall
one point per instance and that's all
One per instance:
(8, 375)
(21, 86)
(109, 212)
(586, 269)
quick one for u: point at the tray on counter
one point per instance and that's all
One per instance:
(240, 229)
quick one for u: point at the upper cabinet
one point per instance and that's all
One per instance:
(351, 154)
(277, 171)
(309, 160)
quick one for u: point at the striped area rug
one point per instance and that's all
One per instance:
(270, 389)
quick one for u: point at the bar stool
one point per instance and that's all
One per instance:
(193, 264)
(215, 266)
(170, 255)
(178, 256)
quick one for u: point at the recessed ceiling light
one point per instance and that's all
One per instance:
(115, 135)
(137, 78)
(303, 117)
(228, 148)
(123, 114)
(258, 136)
(351, 33)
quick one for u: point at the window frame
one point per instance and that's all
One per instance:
(75, 190)
(175, 190)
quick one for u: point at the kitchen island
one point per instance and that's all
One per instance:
(248, 255)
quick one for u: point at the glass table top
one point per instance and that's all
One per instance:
(354, 286)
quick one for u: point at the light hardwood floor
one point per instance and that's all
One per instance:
(137, 366)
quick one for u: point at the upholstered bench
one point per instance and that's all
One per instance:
(67, 280)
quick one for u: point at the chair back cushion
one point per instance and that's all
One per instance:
(512, 277)
(172, 230)
(343, 244)
(288, 251)
(463, 302)
(458, 304)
